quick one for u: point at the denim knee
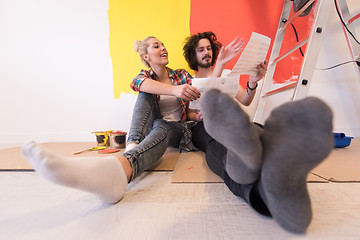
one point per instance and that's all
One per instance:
(143, 96)
(146, 109)
(161, 123)
(150, 149)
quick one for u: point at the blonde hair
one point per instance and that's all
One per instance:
(141, 48)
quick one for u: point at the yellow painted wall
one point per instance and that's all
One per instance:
(138, 19)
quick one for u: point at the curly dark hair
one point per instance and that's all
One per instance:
(191, 44)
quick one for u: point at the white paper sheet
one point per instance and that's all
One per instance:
(228, 85)
(254, 53)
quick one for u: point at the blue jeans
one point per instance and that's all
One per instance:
(215, 155)
(151, 132)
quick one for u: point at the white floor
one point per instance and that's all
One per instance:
(153, 208)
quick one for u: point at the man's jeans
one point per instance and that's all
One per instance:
(215, 155)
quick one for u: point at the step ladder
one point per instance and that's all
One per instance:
(354, 47)
(321, 10)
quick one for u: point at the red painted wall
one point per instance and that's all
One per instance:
(229, 18)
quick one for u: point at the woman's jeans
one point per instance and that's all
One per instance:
(215, 155)
(151, 132)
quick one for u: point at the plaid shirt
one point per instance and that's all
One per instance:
(178, 77)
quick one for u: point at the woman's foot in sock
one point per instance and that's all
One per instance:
(227, 123)
(104, 177)
(297, 137)
(130, 146)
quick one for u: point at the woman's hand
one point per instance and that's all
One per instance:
(186, 92)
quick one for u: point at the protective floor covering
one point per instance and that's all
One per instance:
(342, 165)
(154, 208)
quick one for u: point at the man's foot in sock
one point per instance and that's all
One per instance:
(297, 137)
(104, 177)
(227, 123)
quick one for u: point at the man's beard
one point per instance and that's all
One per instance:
(204, 65)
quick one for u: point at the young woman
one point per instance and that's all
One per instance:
(160, 112)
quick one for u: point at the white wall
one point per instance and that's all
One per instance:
(339, 87)
(56, 73)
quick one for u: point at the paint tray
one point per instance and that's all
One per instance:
(341, 140)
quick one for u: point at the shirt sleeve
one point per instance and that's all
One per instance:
(138, 80)
(188, 77)
(185, 77)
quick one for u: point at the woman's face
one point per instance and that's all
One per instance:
(157, 53)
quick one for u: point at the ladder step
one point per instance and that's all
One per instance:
(354, 18)
(292, 49)
(288, 22)
(280, 89)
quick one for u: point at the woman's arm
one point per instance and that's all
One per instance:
(143, 83)
(184, 91)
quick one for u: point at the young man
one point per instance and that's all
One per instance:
(266, 166)
(201, 52)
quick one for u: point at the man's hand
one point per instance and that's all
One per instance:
(199, 117)
(194, 115)
(230, 51)
(186, 92)
(262, 67)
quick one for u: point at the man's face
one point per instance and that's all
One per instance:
(204, 53)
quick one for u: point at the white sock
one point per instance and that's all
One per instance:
(104, 176)
(130, 146)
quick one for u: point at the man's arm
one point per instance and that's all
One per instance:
(246, 96)
(226, 54)
(192, 114)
